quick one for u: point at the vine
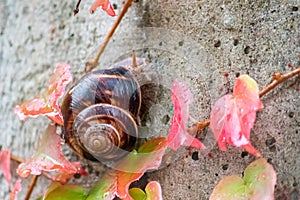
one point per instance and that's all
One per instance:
(231, 120)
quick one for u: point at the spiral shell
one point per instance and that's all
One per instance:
(100, 114)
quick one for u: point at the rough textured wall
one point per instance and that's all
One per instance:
(194, 41)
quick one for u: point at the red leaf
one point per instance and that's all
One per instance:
(106, 6)
(233, 116)
(5, 165)
(17, 188)
(47, 103)
(48, 157)
(178, 135)
(132, 168)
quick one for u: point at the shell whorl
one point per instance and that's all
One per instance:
(105, 131)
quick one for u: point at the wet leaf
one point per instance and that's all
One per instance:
(48, 157)
(132, 168)
(233, 116)
(106, 6)
(178, 135)
(65, 192)
(47, 103)
(258, 183)
(5, 164)
(153, 191)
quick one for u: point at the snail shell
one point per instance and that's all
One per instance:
(101, 113)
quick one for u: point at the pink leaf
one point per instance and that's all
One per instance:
(47, 103)
(233, 116)
(16, 189)
(178, 135)
(153, 191)
(106, 6)
(5, 165)
(48, 157)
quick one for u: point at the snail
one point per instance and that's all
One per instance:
(102, 111)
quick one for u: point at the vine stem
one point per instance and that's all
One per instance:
(15, 158)
(33, 180)
(278, 78)
(93, 63)
(31, 187)
(76, 10)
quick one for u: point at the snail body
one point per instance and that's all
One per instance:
(100, 114)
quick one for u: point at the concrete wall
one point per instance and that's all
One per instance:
(193, 41)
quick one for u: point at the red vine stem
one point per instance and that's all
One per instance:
(15, 158)
(93, 63)
(278, 78)
(31, 187)
(33, 180)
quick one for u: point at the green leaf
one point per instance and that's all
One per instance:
(230, 187)
(57, 191)
(260, 179)
(258, 183)
(137, 194)
(103, 189)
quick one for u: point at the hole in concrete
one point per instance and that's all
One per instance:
(237, 74)
(235, 42)
(295, 184)
(294, 8)
(189, 187)
(216, 174)
(244, 154)
(291, 114)
(195, 155)
(165, 120)
(225, 167)
(217, 43)
(272, 148)
(247, 50)
(270, 142)
(269, 160)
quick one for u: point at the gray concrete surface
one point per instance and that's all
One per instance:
(193, 41)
